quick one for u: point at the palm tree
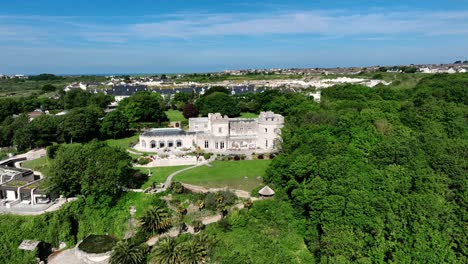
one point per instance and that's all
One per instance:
(156, 220)
(192, 252)
(125, 252)
(167, 251)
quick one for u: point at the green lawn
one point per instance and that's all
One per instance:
(40, 164)
(240, 175)
(175, 115)
(123, 143)
(159, 174)
(248, 115)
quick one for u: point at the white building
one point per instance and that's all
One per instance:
(218, 134)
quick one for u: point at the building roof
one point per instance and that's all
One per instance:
(126, 90)
(164, 132)
(266, 191)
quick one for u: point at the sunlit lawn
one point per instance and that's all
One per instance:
(233, 174)
(175, 115)
(40, 164)
(248, 115)
(123, 143)
(158, 174)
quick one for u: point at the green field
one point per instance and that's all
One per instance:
(175, 115)
(240, 175)
(159, 174)
(248, 115)
(40, 164)
(123, 143)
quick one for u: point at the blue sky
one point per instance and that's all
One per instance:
(116, 36)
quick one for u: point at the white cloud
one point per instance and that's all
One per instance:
(326, 24)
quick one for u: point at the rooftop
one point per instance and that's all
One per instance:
(164, 132)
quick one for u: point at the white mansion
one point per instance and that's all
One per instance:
(218, 134)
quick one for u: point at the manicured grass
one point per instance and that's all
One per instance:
(158, 174)
(123, 143)
(40, 164)
(175, 115)
(248, 115)
(240, 175)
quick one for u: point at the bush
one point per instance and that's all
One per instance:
(177, 187)
(207, 156)
(260, 156)
(237, 157)
(143, 161)
(198, 225)
(224, 225)
(254, 192)
(52, 150)
(271, 156)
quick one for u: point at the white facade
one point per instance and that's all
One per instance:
(219, 134)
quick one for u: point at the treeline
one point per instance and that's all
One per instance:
(380, 175)
(217, 99)
(84, 120)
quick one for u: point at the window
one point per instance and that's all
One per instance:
(266, 130)
(266, 143)
(161, 144)
(216, 145)
(222, 145)
(220, 130)
(170, 144)
(206, 144)
(179, 143)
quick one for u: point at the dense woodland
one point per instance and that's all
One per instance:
(368, 175)
(380, 175)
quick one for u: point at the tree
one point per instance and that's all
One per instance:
(82, 124)
(75, 98)
(106, 174)
(95, 170)
(190, 110)
(216, 89)
(44, 130)
(143, 107)
(125, 252)
(100, 100)
(115, 124)
(156, 220)
(218, 102)
(166, 251)
(48, 88)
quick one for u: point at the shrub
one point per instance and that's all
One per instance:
(260, 156)
(207, 156)
(198, 225)
(236, 157)
(177, 187)
(52, 150)
(210, 201)
(224, 225)
(229, 197)
(242, 157)
(143, 161)
(254, 192)
(271, 156)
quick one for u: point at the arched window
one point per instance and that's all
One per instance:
(153, 144)
(143, 144)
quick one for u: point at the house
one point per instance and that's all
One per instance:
(32, 115)
(218, 134)
(21, 186)
(121, 92)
